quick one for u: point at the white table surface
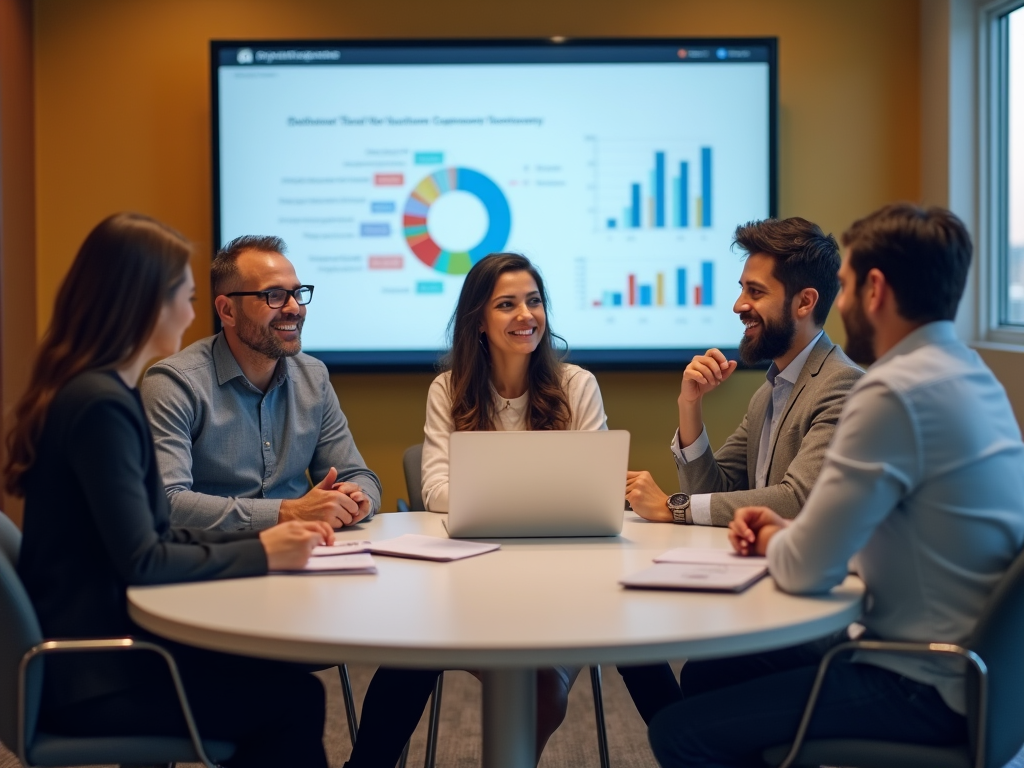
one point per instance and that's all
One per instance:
(535, 602)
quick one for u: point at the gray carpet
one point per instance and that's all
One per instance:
(574, 745)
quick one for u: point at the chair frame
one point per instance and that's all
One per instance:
(111, 644)
(876, 646)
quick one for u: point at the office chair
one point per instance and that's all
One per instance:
(995, 670)
(412, 463)
(21, 681)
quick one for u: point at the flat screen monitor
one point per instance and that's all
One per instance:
(621, 168)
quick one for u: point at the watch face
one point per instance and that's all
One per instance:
(678, 499)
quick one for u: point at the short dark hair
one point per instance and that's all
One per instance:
(805, 257)
(924, 253)
(224, 267)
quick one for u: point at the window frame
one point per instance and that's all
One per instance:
(993, 171)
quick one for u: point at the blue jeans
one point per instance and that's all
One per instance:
(733, 709)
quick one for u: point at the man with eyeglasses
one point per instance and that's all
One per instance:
(238, 418)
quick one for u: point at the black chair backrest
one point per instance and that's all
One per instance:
(412, 462)
(10, 539)
(999, 640)
(20, 632)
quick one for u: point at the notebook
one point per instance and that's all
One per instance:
(711, 570)
(420, 547)
(535, 484)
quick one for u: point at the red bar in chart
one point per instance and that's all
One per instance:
(388, 179)
(632, 290)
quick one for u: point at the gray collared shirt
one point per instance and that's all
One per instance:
(230, 453)
(924, 484)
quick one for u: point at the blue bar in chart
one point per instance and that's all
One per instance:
(681, 287)
(659, 189)
(683, 200)
(645, 295)
(705, 186)
(611, 223)
(636, 206)
(707, 277)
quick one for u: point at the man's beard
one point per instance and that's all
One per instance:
(860, 335)
(774, 340)
(263, 340)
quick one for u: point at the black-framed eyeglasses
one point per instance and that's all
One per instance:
(278, 297)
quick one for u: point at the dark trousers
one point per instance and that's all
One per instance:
(652, 688)
(392, 708)
(272, 711)
(732, 709)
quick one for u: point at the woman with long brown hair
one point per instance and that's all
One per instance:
(504, 374)
(97, 517)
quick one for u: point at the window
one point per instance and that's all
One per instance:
(1013, 275)
(1002, 168)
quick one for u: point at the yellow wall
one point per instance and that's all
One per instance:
(123, 122)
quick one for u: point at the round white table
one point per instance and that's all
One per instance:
(534, 603)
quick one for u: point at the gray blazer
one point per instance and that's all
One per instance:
(798, 445)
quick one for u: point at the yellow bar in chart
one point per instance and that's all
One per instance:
(700, 212)
(659, 290)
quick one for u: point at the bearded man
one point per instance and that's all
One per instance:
(788, 284)
(238, 418)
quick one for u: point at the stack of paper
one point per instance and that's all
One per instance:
(430, 548)
(341, 548)
(713, 570)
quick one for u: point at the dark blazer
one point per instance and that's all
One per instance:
(97, 522)
(798, 445)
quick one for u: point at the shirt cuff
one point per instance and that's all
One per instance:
(263, 513)
(693, 451)
(700, 508)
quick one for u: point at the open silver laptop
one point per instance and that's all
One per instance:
(510, 484)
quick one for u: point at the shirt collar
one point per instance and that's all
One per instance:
(227, 367)
(938, 332)
(792, 371)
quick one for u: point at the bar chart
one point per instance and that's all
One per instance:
(675, 195)
(654, 293)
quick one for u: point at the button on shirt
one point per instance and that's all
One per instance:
(230, 453)
(782, 383)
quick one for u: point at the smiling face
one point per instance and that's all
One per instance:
(514, 320)
(273, 333)
(769, 324)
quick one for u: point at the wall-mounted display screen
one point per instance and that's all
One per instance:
(621, 168)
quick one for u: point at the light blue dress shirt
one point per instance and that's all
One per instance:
(923, 486)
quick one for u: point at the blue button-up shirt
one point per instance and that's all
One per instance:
(229, 453)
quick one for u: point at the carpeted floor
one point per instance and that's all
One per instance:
(573, 746)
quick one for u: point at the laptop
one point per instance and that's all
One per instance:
(536, 484)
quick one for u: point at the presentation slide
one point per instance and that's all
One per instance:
(622, 181)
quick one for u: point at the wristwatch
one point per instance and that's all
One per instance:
(679, 505)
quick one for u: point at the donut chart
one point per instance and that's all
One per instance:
(426, 193)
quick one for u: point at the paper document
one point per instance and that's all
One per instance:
(341, 548)
(360, 562)
(431, 547)
(708, 557)
(708, 577)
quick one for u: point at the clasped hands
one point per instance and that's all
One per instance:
(337, 504)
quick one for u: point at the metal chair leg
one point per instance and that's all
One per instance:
(350, 702)
(405, 754)
(435, 716)
(602, 734)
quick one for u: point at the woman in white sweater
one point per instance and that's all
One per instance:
(504, 374)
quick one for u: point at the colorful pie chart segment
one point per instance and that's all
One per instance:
(417, 210)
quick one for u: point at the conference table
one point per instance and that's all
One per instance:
(533, 603)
